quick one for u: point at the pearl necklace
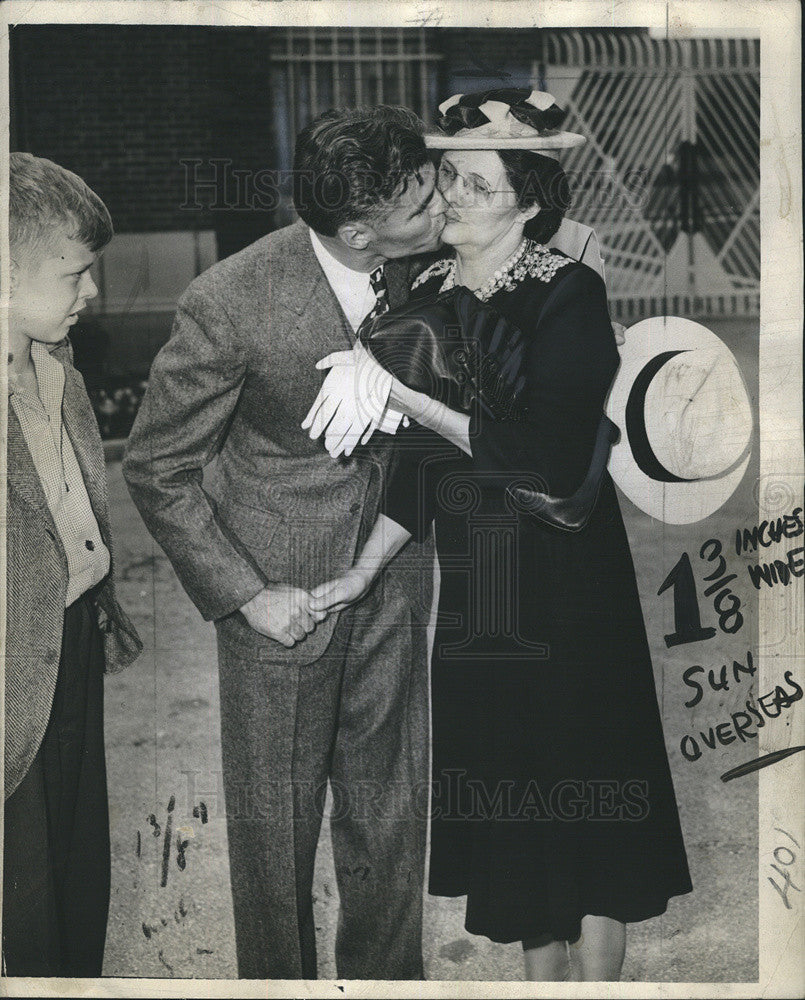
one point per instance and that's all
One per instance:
(500, 277)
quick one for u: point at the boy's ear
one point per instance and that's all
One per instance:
(356, 235)
(14, 275)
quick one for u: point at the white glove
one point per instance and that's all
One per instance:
(351, 403)
(335, 411)
(391, 421)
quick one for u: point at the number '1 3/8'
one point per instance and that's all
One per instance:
(687, 618)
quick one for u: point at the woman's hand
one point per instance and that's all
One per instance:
(452, 425)
(335, 595)
(408, 401)
(385, 541)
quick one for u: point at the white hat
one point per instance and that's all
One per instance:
(505, 118)
(685, 418)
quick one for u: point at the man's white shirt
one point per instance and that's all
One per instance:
(351, 288)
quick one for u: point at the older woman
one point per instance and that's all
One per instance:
(553, 808)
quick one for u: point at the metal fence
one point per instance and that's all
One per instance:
(670, 174)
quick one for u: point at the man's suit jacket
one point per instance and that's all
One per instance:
(234, 382)
(37, 579)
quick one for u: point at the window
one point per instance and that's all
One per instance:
(318, 68)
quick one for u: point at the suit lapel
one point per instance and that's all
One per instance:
(327, 327)
(320, 325)
(23, 479)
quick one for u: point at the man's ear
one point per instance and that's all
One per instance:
(14, 275)
(356, 235)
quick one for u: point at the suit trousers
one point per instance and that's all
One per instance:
(358, 718)
(56, 869)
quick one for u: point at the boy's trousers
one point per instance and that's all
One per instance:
(56, 859)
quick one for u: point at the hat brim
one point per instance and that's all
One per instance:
(559, 140)
(674, 502)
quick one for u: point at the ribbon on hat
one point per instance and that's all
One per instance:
(530, 107)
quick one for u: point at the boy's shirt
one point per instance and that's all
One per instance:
(40, 417)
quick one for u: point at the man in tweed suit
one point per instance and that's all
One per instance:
(303, 699)
(64, 625)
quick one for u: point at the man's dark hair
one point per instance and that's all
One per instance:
(349, 163)
(538, 180)
(43, 197)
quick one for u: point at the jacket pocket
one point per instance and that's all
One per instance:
(254, 530)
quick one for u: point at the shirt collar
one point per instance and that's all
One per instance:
(49, 378)
(47, 367)
(337, 273)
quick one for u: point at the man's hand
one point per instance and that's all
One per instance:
(620, 333)
(282, 613)
(335, 595)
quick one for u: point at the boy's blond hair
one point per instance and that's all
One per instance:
(44, 199)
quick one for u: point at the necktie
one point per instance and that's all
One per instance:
(377, 280)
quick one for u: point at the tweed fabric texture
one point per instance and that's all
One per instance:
(40, 417)
(37, 578)
(229, 390)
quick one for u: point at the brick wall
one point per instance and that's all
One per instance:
(123, 107)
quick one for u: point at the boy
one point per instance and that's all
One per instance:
(64, 626)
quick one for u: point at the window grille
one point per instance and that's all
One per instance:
(314, 69)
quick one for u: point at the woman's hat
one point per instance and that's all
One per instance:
(685, 417)
(507, 118)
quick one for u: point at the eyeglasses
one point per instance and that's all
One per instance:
(475, 185)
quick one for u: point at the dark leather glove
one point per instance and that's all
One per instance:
(455, 349)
